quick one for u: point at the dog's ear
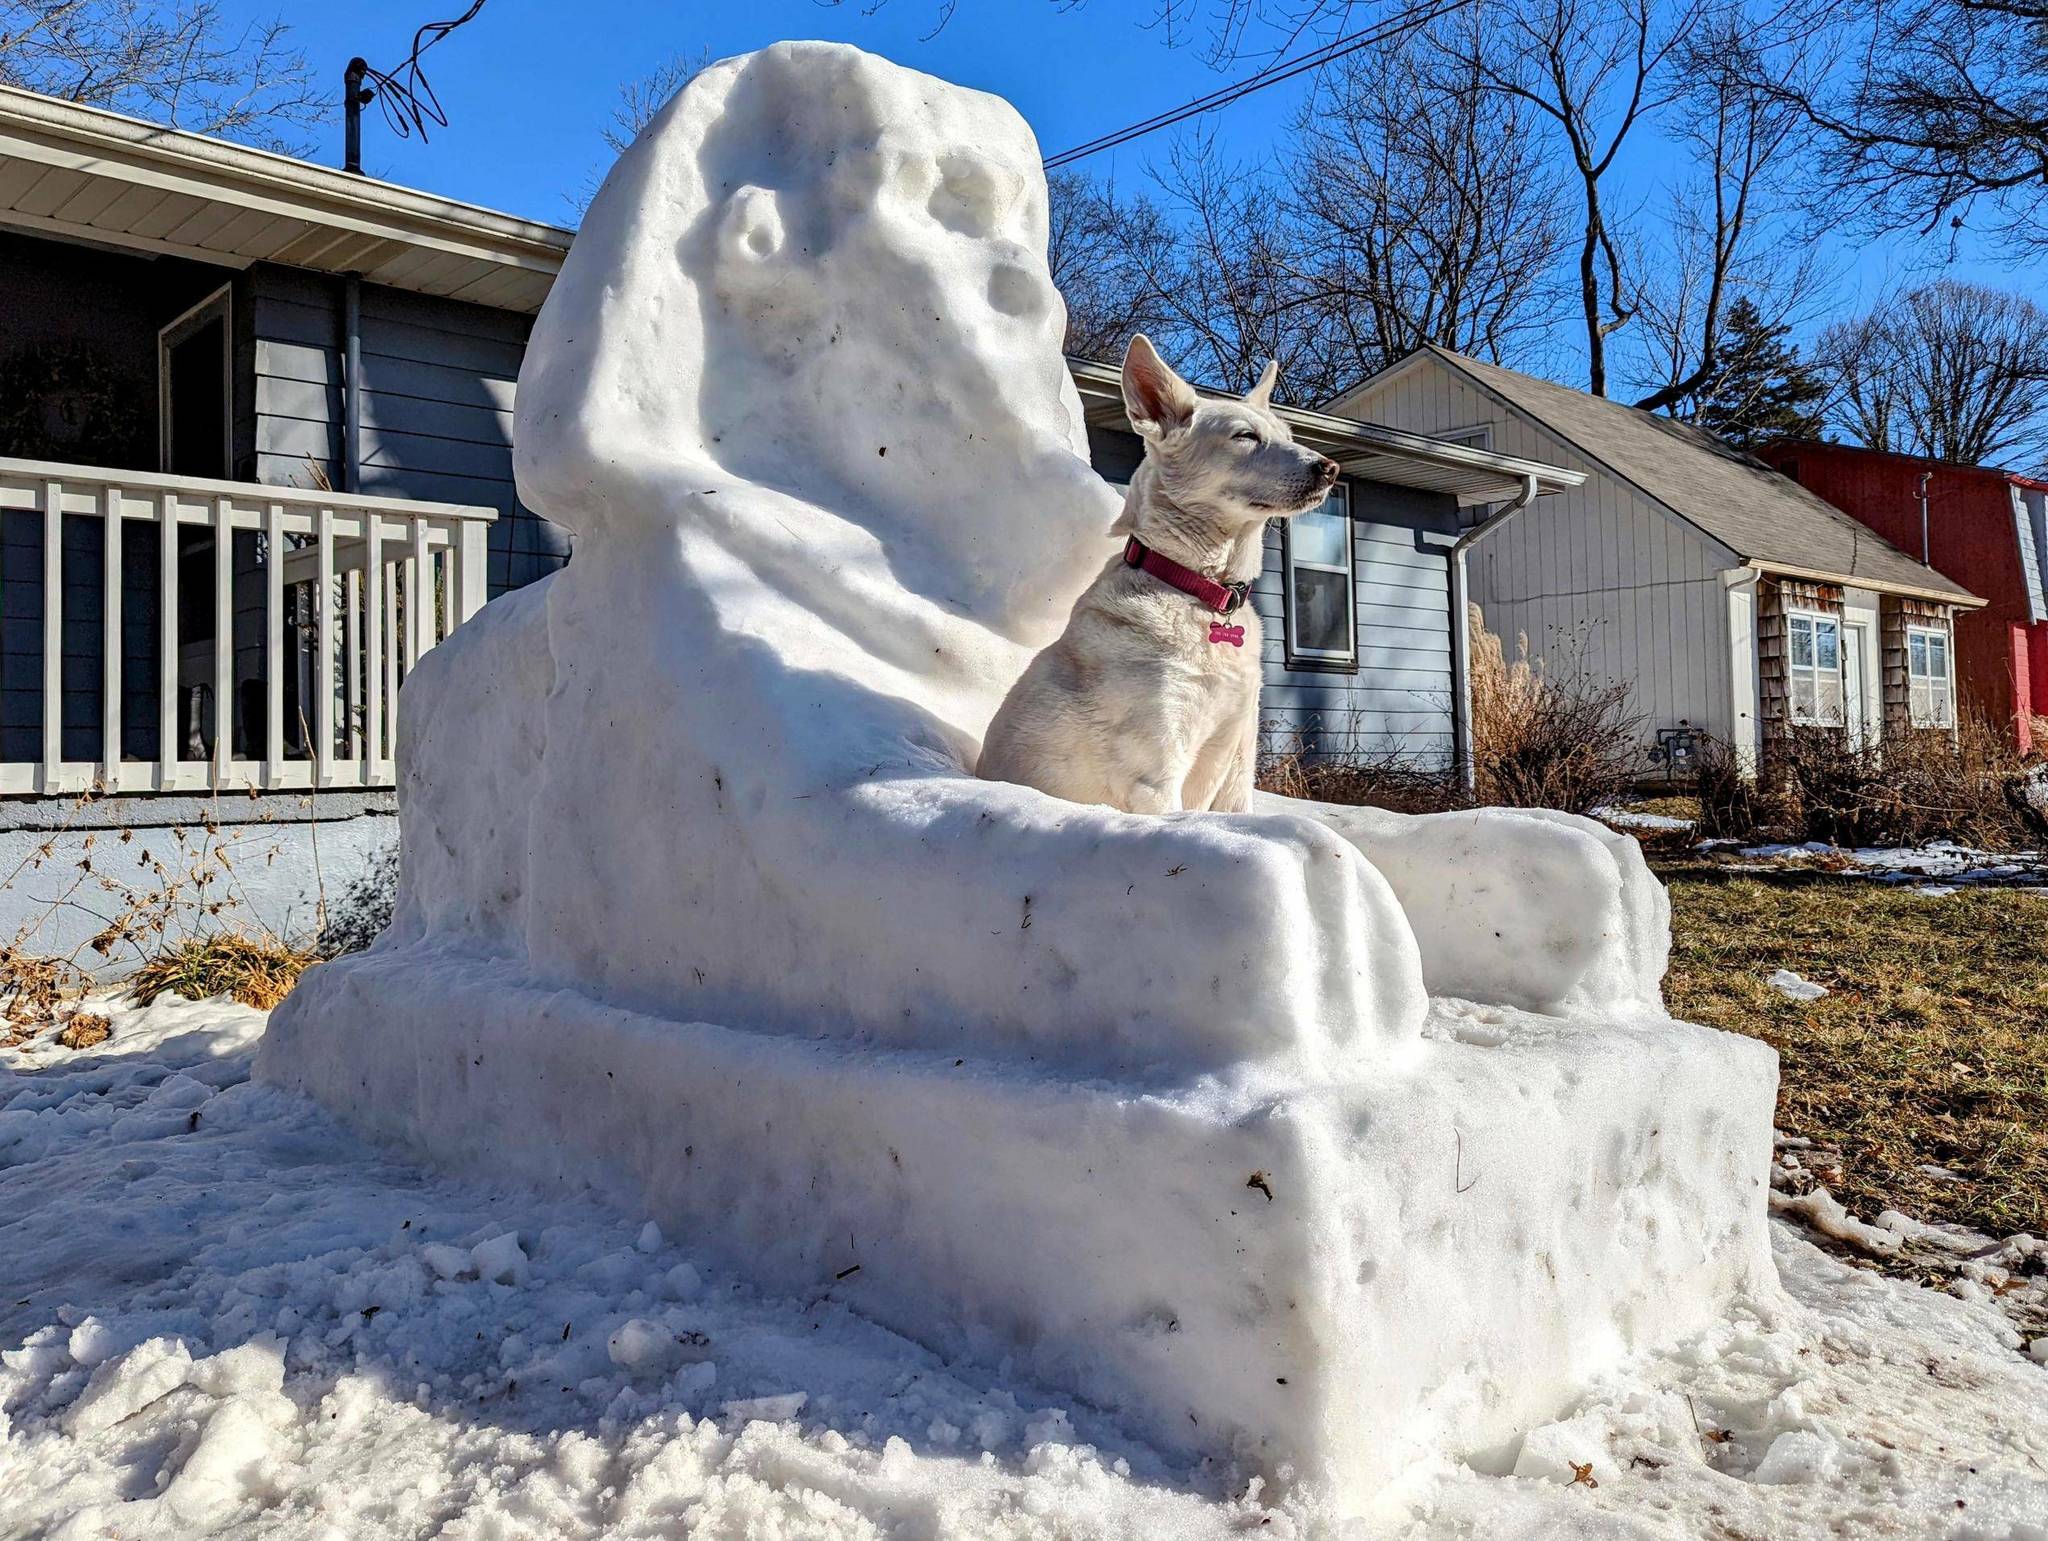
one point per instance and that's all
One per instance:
(1155, 398)
(1261, 395)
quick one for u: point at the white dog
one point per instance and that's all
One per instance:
(1149, 700)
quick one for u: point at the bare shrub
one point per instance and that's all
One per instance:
(1363, 781)
(1970, 786)
(1544, 738)
(1734, 803)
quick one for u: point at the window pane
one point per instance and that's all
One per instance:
(1918, 705)
(1802, 697)
(1320, 537)
(1827, 645)
(1802, 642)
(1828, 699)
(1322, 611)
(1916, 653)
(1937, 656)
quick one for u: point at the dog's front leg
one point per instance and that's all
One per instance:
(1154, 794)
(1221, 781)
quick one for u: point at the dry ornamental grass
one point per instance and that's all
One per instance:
(257, 971)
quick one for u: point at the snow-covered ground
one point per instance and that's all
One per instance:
(224, 1316)
(1936, 869)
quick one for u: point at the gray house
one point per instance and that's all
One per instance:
(255, 458)
(1732, 601)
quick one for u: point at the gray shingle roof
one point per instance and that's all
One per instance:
(1759, 514)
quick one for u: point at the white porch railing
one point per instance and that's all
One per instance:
(349, 592)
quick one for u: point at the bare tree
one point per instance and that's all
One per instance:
(1104, 249)
(1933, 105)
(1232, 290)
(183, 64)
(1427, 210)
(1744, 137)
(640, 99)
(1596, 69)
(1952, 371)
(1207, 261)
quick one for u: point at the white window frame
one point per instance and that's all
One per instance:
(1813, 620)
(1479, 436)
(217, 306)
(1345, 658)
(1930, 697)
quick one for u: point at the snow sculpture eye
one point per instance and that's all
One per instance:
(1014, 292)
(751, 230)
(969, 198)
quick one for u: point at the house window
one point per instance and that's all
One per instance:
(1815, 669)
(1317, 547)
(1928, 687)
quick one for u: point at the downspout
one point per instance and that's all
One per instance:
(1461, 627)
(353, 96)
(351, 382)
(1925, 478)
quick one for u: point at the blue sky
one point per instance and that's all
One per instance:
(529, 86)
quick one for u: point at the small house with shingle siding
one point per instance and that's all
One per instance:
(1732, 601)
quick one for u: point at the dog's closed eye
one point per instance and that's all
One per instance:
(1248, 435)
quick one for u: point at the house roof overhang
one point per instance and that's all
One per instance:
(1369, 451)
(1957, 598)
(86, 174)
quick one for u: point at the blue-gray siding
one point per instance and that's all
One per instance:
(438, 383)
(1398, 700)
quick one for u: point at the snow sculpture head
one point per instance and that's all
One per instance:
(826, 274)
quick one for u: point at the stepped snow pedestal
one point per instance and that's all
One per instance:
(701, 909)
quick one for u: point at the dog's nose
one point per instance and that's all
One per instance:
(1328, 468)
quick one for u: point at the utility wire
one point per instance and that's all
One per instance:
(1419, 15)
(404, 92)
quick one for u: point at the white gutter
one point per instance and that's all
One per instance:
(1461, 625)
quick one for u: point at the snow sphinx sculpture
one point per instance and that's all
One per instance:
(702, 911)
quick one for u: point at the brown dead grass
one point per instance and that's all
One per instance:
(1930, 1050)
(257, 971)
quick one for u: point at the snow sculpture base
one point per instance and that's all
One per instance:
(1316, 1283)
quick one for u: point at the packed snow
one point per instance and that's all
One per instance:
(1796, 987)
(221, 1314)
(702, 911)
(1934, 870)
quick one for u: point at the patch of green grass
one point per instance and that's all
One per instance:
(1931, 1049)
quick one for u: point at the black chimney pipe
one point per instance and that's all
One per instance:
(352, 98)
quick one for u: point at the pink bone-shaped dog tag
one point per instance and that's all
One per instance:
(1234, 635)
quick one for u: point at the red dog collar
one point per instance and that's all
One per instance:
(1224, 598)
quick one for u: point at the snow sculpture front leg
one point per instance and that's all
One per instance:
(1517, 906)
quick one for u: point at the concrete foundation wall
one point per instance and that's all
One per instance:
(290, 865)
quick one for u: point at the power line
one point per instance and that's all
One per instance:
(1272, 76)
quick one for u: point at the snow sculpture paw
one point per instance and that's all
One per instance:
(1518, 906)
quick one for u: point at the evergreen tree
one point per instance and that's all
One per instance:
(1762, 390)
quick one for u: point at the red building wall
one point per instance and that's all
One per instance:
(2001, 669)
